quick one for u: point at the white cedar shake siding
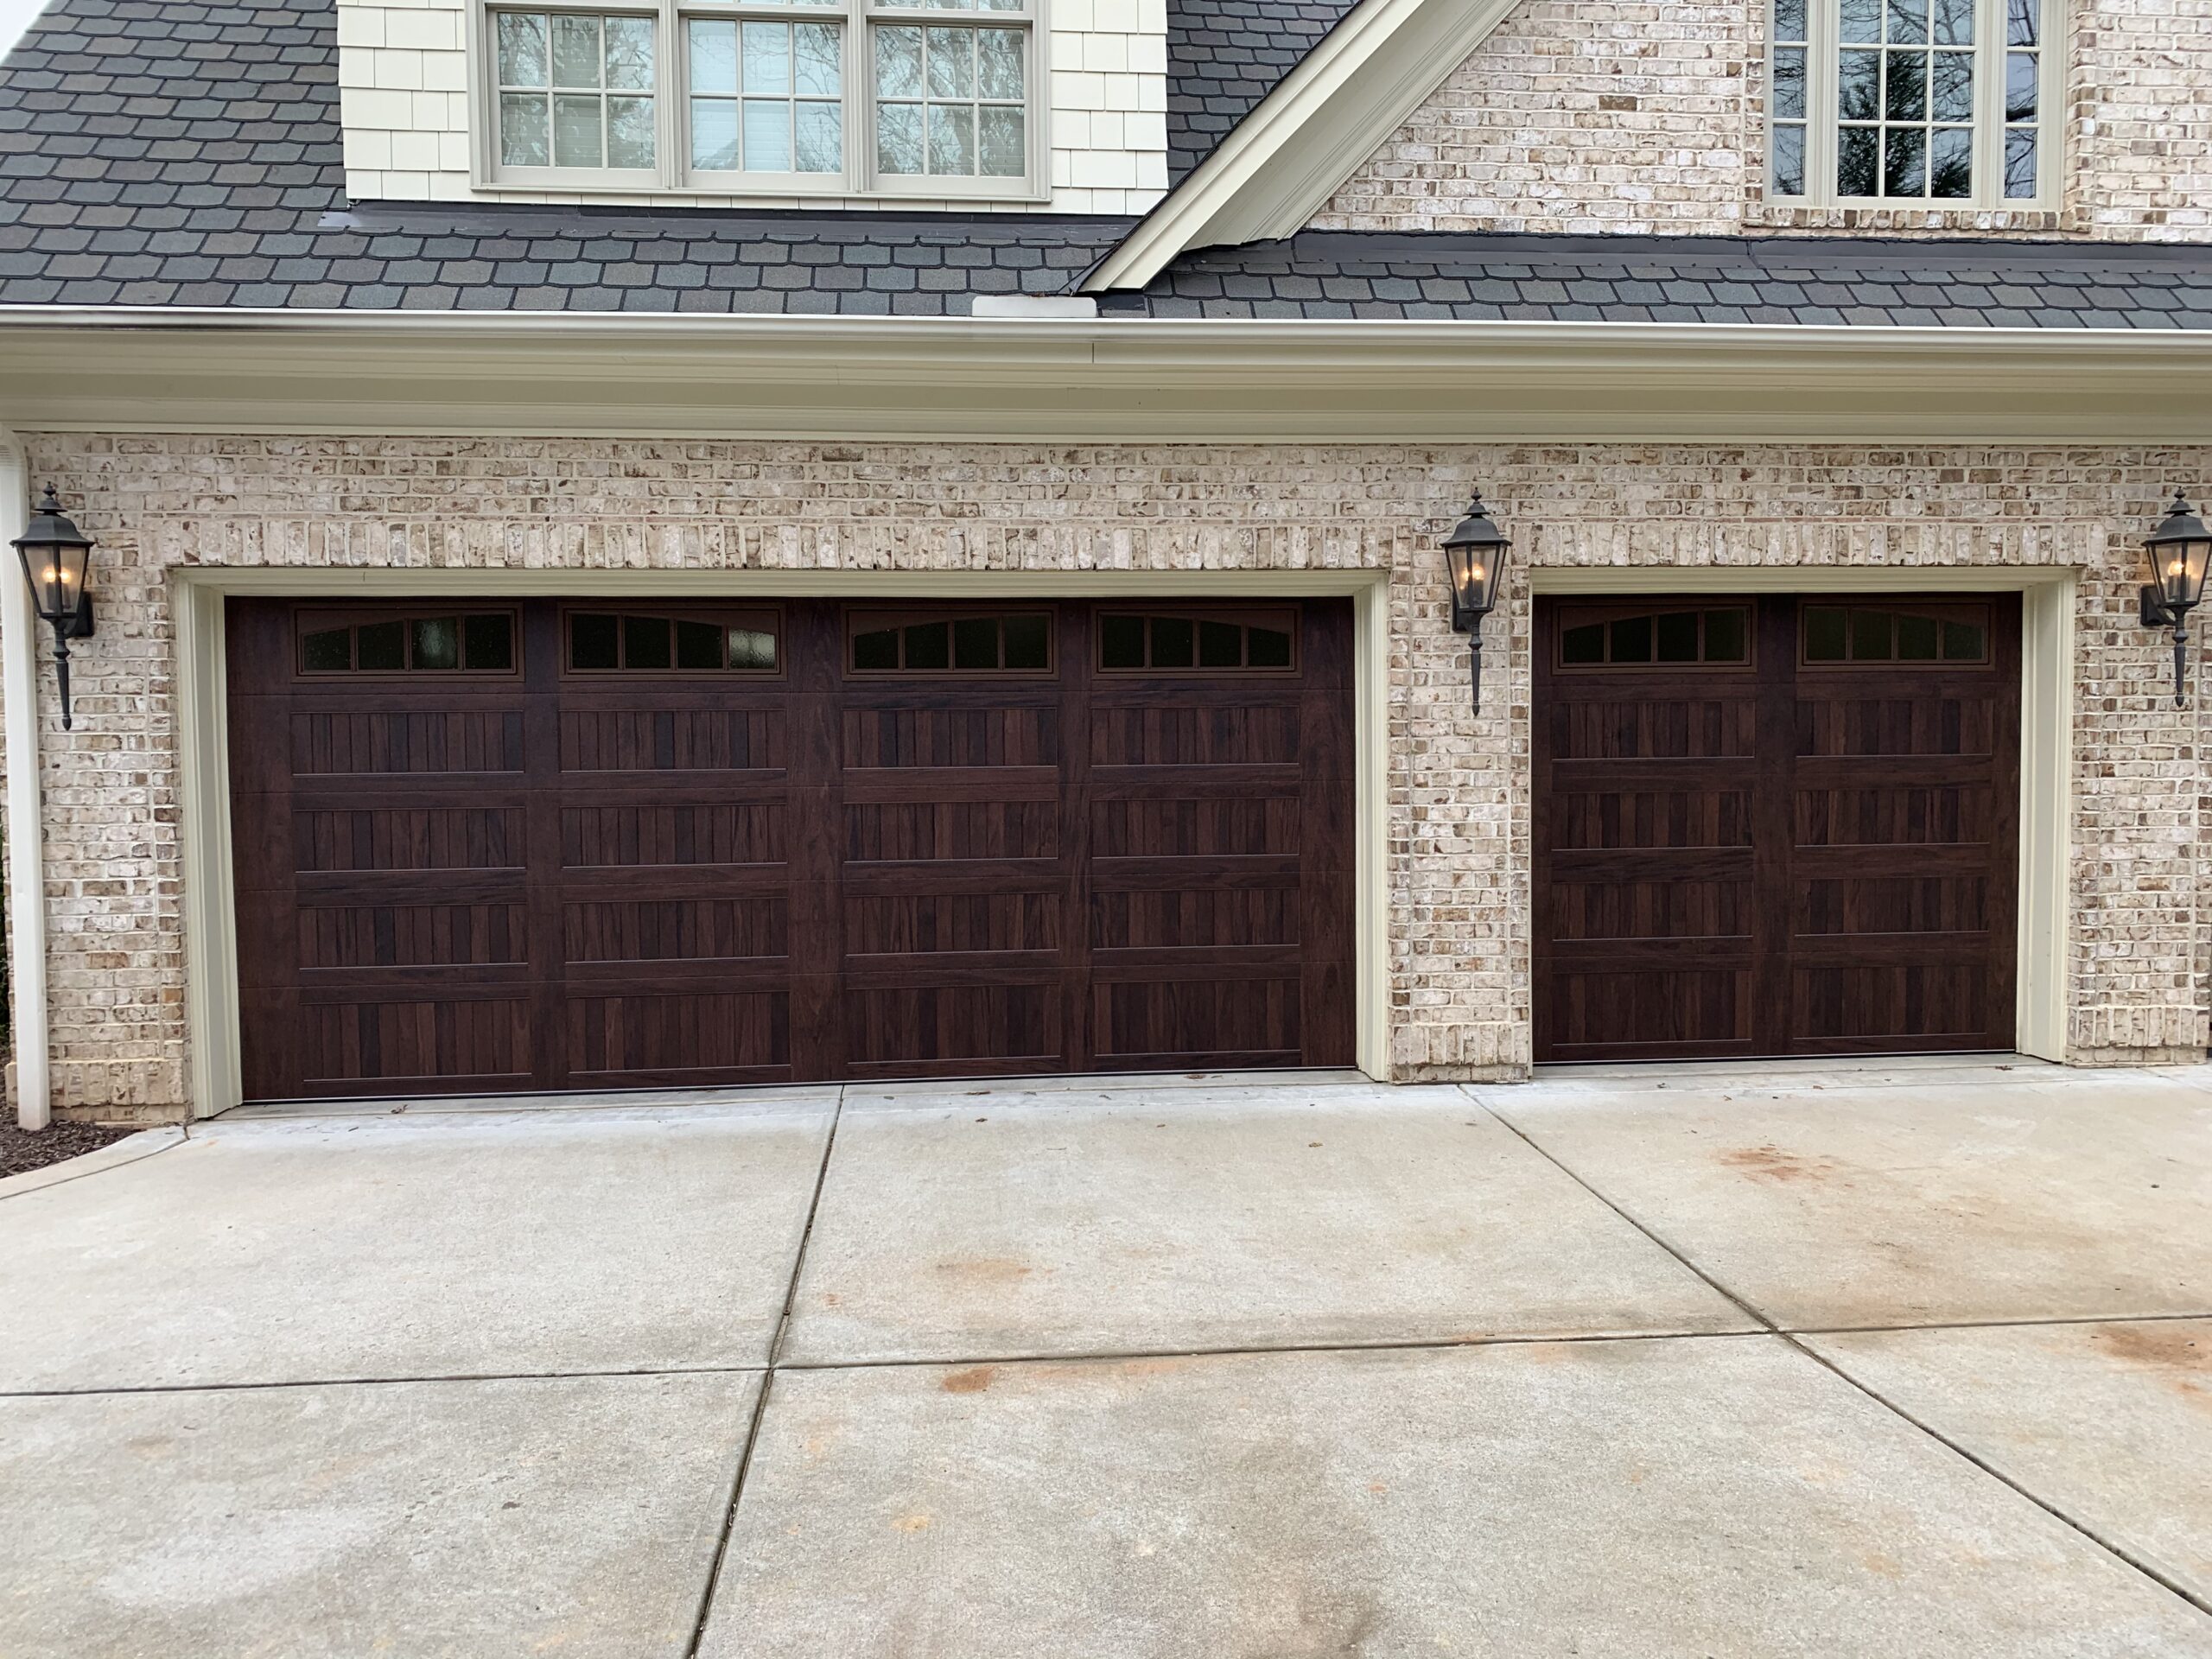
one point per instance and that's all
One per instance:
(1456, 850)
(403, 96)
(1650, 115)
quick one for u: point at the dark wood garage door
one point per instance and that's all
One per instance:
(489, 846)
(1774, 826)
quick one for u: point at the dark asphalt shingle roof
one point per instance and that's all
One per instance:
(1690, 279)
(1223, 56)
(167, 152)
(155, 152)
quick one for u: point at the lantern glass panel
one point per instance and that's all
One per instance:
(2181, 570)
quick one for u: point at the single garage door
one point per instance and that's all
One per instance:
(555, 844)
(1775, 825)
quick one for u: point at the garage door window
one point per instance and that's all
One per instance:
(479, 643)
(1639, 638)
(1160, 642)
(644, 642)
(1010, 643)
(1860, 634)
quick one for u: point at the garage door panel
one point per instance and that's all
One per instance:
(1185, 826)
(938, 923)
(411, 935)
(1894, 905)
(1169, 1021)
(1693, 815)
(1195, 916)
(402, 742)
(672, 1035)
(1619, 911)
(943, 1026)
(1637, 724)
(719, 927)
(1866, 793)
(1182, 732)
(1933, 1003)
(1676, 1007)
(930, 830)
(459, 1039)
(898, 734)
(663, 739)
(661, 833)
(611, 879)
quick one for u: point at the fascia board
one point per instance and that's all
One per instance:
(1280, 165)
(1184, 380)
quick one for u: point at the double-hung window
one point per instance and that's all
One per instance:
(1898, 102)
(766, 97)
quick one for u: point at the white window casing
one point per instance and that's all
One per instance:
(1930, 104)
(778, 98)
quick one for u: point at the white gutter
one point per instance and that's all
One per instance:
(1079, 379)
(26, 839)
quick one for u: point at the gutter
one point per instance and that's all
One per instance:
(1074, 377)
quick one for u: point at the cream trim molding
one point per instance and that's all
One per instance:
(212, 994)
(2043, 976)
(1084, 380)
(1316, 127)
(19, 678)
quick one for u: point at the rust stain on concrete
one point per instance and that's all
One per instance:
(2183, 1360)
(1770, 1163)
(972, 1381)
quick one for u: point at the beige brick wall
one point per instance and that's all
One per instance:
(1598, 115)
(1459, 808)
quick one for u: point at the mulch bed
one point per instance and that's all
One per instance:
(27, 1149)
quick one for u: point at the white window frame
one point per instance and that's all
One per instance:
(673, 173)
(1823, 74)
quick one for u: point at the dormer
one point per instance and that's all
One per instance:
(979, 104)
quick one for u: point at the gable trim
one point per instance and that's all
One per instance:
(1318, 126)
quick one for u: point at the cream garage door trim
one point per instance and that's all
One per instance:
(210, 910)
(2046, 728)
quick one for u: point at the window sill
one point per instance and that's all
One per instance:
(716, 196)
(1881, 217)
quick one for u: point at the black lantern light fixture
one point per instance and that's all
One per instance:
(1474, 557)
(57, 556)
(2177, 552)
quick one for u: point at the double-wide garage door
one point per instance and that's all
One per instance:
(556, 844)
(1775, 825)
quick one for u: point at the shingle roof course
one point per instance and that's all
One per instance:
(1813, 281)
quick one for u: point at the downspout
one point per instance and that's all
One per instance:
(26, 841)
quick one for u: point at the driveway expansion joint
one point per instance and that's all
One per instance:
(767, 1384)
(2117, 1551)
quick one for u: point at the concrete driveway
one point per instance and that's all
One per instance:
(1913, 1361)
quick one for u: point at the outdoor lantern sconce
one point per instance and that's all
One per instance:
(2177, 552)
(1474, 557)
(55, 556)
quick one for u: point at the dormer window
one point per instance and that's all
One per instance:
(1901, 102)
(778, 98)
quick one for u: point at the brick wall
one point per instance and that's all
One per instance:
(1596, 116)
(1458, 811)
(403, 97)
